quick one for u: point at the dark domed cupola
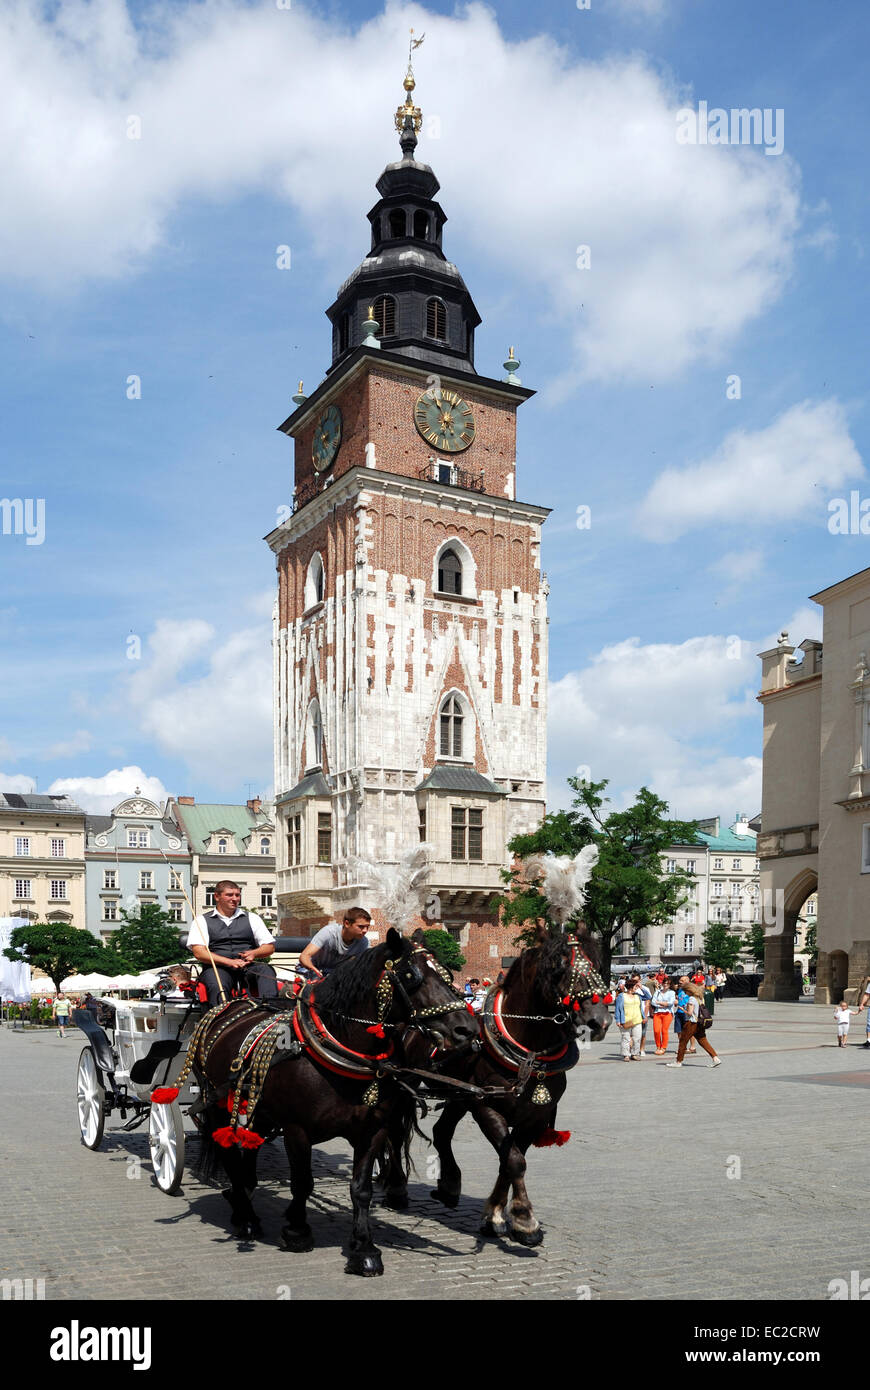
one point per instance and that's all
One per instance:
(418, 297)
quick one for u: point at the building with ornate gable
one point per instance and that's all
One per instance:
(410, 629)
(228, 841)
(134, 856)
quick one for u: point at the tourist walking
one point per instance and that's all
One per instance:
(842, 1013)
(680, 1012)
(664, 1002)
(628, 1016)
(694, 1026)
(61, 1012)
(720, 985)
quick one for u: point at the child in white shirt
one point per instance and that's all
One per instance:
(842, 1013)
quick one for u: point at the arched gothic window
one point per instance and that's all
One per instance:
(421, 225)
(314, 739)
(436, 319)
(314, 582)
(451, 728)
(265, 844)
(398, 222)
(449, 573)
(222, 846)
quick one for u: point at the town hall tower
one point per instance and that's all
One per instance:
(410, 629)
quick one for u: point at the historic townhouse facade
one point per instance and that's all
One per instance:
(410, 629)
(42, 858)
(726, 889)
(134, 856)
(228, 841)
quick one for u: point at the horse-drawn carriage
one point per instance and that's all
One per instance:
(359, 1047)
(119, 1076)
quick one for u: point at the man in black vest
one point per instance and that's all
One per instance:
(239, 942)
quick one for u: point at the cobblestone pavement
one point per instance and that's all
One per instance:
(744, 1182)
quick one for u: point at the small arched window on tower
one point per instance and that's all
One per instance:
(449, 573)
(398, 222)
(344, 333)
(314, 738)
(314, 582)
(436, 319)
(421, 225)
(385, 314)
(451, 728)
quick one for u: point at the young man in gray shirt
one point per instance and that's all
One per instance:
(336, 941)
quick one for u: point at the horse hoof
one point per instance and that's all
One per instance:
(527, 1238)
(368, 1264)
(493, 1228)
(397, 1199)
(248, 1230)
(448, 1199)
(297, 1242)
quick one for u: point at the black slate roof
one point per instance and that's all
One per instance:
(450, 778)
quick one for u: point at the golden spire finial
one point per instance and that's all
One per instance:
(409, 83)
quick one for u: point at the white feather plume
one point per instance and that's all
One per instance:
(397, 890)
(564, 880)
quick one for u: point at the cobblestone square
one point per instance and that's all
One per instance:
(746, 1183)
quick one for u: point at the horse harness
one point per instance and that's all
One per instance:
(266, 1044)
(584, 982)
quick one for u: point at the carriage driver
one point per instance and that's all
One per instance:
(239, 941)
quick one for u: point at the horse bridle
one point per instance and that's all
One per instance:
(407, 982)
(583, 984)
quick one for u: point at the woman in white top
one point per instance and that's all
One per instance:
(663, 1004)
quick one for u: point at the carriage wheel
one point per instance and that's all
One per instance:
(90, 1097)
(166, 1137)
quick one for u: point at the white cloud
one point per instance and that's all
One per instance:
(688, 243)
(737, 567)
(16, 782)
(758, 477)
(80, 742)
(660, 715)
(98, 795)
(217, 718)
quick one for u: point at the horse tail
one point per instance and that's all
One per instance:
(394, 1155)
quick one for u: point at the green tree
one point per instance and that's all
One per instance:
(811, 944)
(721, 947)
(444, 948)
(754, 942)
(630, 888)
(145, 940)
(57, 948)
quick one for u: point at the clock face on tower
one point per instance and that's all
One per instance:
(327, 438)
(445, 421)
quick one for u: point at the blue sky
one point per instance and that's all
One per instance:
(549, 128)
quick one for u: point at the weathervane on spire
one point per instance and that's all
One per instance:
(409, 117)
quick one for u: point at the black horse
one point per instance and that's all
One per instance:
(552, 994)
(394, 1006)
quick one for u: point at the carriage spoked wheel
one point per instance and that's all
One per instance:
(90, 1098)
(166, 1139)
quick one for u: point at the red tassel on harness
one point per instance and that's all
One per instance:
(226, 1137)
(576, 1006)
(551, 1137)
(231, 1101)
(378, 1030)
(164, 1095)
(567, 1000)
(247, 1139)
(595, 998)
(608, 998)
(470, 1009)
